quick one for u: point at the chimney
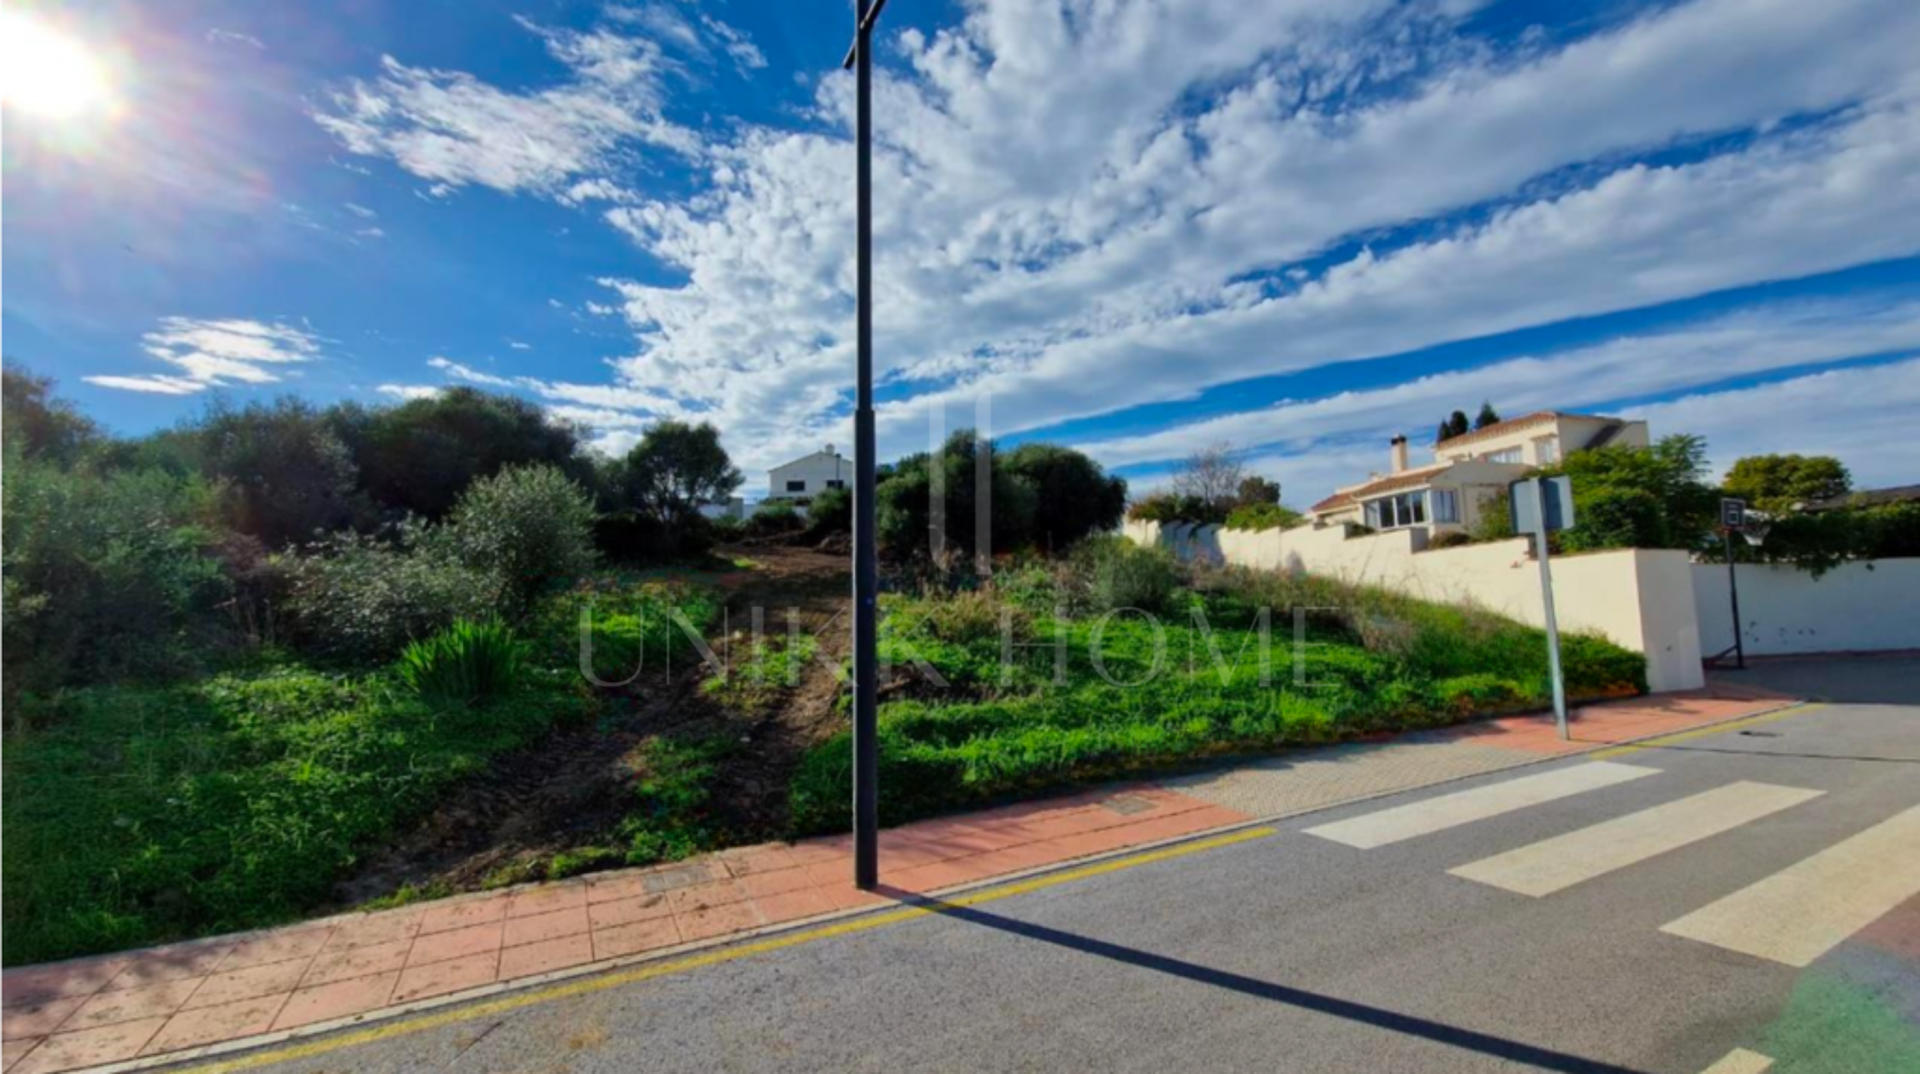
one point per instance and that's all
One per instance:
(1399, 454)
(829, 449)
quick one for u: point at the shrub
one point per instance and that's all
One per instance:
(631, 537)
(529, 526)
(1450, 539)
(107, 574)
(467, 663)
(1821, 541)
(365, 597)
(773, 518)
(1262, 516)
(1110, 573)
(831, 512)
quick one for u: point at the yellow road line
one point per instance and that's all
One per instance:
(651, 970)
(1703, 732)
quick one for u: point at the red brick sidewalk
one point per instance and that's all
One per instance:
(185, 998)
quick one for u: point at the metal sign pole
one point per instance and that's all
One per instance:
(866, 571)
(1546, 592)
(1733, 517)
(1733, 592)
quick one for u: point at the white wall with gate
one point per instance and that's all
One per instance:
(1865, 606)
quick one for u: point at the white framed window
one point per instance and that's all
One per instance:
(1511, 454)
(1547, 450)
(1394, 512)
(797, 485)
(1446, 505)
(835, 483)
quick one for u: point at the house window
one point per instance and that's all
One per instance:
(1511, 454)
(1446, 505)
(1547, 450)
(797, 486)
(1393, 512)
(834, 484)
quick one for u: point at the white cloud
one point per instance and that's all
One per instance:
(1746, 342)
(1063, 222)
(410, 391)
(454, 130)
(215, 353)
(1859, 415)
(361, 211)
(468, 373)
(156, 384)
(218, 36)
(1085, 208)
(518, 345)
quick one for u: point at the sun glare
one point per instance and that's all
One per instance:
(47, 73)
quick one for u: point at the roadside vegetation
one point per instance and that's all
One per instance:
(1126, 662)
(281, 659)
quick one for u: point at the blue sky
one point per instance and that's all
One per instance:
(1296, 227)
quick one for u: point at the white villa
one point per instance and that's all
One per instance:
(810, 475)
(1448, 493)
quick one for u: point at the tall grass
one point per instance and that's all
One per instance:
(466, 663)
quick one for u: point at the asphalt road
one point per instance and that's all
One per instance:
(1296, 952)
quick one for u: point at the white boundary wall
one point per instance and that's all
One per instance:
(1856, 607)
(1642, 599)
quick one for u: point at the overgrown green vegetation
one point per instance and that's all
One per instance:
(1099, 686)
(243, 652)
(142, 814)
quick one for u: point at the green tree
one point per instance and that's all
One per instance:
(287, 475)
(675, 468)
(1257, 491)
(1653, 497)
(1776, 483)
(1487, 416)
(1457, 424)
(41, 425)
(903, 505)
(1073, 495)
(421, 455)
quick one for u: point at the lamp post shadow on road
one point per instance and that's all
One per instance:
(866, 571)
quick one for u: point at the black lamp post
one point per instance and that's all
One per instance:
(866, 570)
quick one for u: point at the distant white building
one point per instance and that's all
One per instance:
(809, 475)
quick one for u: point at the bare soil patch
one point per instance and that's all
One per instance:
(574, 787)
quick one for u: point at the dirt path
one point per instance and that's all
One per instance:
(571, 789)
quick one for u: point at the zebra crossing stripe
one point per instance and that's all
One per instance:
(1554, 864)
(1741, 1061)
(1431, 815)
(1803, 911)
